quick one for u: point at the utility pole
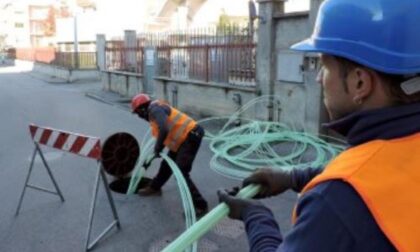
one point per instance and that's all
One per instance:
(76, 42)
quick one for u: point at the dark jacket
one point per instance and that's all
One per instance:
(159, 112)
(332, 216)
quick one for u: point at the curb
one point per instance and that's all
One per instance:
(48, 79)
(103, 100)
(98, 98)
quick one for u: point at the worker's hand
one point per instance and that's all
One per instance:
(157, 150)
(236, 205)
(272, 182)
(156, 155)
(148, 162)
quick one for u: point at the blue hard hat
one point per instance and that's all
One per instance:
(381, 34)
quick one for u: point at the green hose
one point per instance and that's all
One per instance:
(207, 222)
(240, 151)
(145, 157)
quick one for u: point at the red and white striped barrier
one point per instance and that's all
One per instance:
(86, 146)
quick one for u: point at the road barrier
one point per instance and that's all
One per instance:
(85, 146)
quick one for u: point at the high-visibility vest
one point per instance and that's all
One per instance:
(386, 175)
(179, 125)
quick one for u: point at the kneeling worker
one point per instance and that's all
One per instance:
(181, 135)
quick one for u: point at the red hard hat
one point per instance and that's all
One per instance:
(139, 100)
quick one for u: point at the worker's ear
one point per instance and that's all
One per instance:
(361, 84)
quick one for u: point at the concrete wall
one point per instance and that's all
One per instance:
(290, 106)
(70, 75)
(291, 28)
(299, 95)
(84, 75)
(123, 83)
(201, 99)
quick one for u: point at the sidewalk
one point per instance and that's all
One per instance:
(109, 97)
(96, 92)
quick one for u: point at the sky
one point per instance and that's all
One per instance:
(130, 15)
(297, 5)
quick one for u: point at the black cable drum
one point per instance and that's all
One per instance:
(119, 154)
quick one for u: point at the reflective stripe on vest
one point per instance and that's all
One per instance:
(386, 175)
(174, 121)
(179, 125)
(178, 133)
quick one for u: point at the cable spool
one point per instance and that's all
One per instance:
(119, 154)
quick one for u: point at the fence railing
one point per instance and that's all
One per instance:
(222, 55)
(80, 60)
(227, 63)
(49, 55)
(121, 58)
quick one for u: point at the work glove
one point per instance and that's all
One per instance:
(147, 163)
(236, 205)
(158, 149)
(272, 182)
(156, 154)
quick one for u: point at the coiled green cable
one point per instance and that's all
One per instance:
(238, 152)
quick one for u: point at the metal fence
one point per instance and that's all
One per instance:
(121, 58)
(80, 60)
(49, 55)
(222, 55)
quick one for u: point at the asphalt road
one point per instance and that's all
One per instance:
(45, 223)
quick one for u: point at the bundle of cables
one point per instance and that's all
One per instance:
(145, 157)
(238, 152)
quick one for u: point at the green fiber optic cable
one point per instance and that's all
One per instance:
(239, 151)
(207, 222)
(189, 210)
(253, 145)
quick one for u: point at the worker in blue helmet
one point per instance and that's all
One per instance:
(366, 199)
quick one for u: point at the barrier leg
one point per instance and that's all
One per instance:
(92, 209)
(110, 199)
(50, 173)
(26, 181)
(115, 222)
(57, 189)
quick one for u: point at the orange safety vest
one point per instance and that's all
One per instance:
(386, 175)
(179, 125)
